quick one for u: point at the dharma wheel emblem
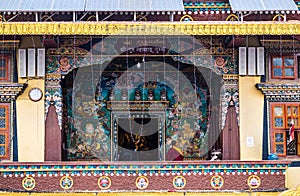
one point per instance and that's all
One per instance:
(142, 182)
(179, 182)
(66, 182)
(28, 183)
(217, 182)
(104, 182)
(253, 181)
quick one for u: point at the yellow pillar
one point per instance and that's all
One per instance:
(251, 118)
(31, 124)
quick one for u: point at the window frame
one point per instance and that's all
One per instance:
(6, 78)
(279, 143)
(6, 107)
(283, 66)
(6, 131)
(285, 126)
(285, 117)
(6, 145)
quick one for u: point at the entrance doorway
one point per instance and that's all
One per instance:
(138, 138)
(137, 142)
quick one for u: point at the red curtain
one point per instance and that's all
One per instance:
(231, 136)
(52, 136)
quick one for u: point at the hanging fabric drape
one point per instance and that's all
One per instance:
(52, 149)
(231, 136)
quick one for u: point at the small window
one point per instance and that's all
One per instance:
(4, 145)
(278, 117)
(280, 143)
(4, 117)
(4, 130)
(283, 67)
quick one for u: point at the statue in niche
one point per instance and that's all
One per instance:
(124, 95)
(112, 95)
(163, 95)
(138, 96)
(150, 95)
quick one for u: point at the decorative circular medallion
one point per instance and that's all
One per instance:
(179, 182)
(28, 183)
(104, 182)
(35, 94)
(66, 182)
(217, 182)
(253, 181)
(142, 182)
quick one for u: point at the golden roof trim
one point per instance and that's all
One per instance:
(151, 28)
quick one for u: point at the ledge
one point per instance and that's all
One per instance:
(198, 176)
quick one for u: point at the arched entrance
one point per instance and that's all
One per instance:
(173, 96)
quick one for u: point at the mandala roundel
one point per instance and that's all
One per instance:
(179, 182)
(28, 183)
(142, 182)
(253, 181)
(66, 182)
(104, 182)
(217, 182)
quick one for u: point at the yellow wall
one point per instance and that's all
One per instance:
(31, 124)
(251, 117)
(31, 115)
(292, 177)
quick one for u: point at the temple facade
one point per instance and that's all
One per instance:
(179, 98)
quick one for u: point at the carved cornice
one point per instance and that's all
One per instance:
(230, 77)
(137, 105)
(150, 28)
(280, 92)
(10, 91)
(53, 80)
(284, 46)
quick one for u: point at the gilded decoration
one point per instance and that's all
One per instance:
(149, 28)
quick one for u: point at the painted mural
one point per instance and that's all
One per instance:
(102, 77)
